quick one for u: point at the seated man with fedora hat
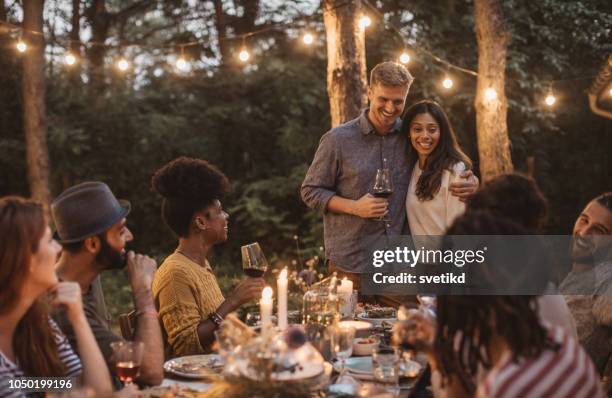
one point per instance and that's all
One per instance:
(91, 226)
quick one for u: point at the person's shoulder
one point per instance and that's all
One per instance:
(345, 130)
(174, 268)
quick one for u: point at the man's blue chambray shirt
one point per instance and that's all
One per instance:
(345, 164)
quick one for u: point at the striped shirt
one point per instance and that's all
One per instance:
(564, 372)
(10, 370)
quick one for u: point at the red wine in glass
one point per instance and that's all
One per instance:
(382, 186)
(382, 194)
(127, 356)
(254, 263)
(127, 371)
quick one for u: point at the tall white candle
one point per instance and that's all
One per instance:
(265, 306)
(345, 292)
(281, 284)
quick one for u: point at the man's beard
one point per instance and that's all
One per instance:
(111, 258)
(594, 250)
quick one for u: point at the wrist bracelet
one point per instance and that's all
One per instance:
(216, 318)
(152, 313)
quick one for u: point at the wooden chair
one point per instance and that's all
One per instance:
(127, 324)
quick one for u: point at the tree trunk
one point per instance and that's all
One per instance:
(491, 114)
(33, 93)
(100, 21)
(346, 65)
(2, 11)
(75, 44)
(220, 24)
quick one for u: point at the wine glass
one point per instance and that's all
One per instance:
(254, 263)
(128, 357)
(382, 186)
(385, 363)
(342, 343)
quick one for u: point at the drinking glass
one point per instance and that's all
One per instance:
(128, 357)
(382, 186)
(342, 343)
(254, 263)
(253, 319)
(428, 302)
(385, 361)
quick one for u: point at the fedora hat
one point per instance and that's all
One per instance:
(85, 210)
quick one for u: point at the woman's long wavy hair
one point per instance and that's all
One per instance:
(446, 154)
(22, 225)
(467, 324)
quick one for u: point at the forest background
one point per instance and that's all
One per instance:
(260, 123)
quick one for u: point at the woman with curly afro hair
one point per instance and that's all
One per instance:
(186, 291)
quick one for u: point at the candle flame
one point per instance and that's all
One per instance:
(266, 294)
(283, 274)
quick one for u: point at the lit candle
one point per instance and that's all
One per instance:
(281, 284)
(345, 293)
(265, 306)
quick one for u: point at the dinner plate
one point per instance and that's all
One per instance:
(358, 365)
(377, 322)
(306, 370)
(195, 366)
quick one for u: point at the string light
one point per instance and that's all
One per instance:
(244, 55)
(123, 64)
(447, 83)
(21, 46)
(182, 65)
(365, 22)
(69, 59)
(404, 57)
(308, 39)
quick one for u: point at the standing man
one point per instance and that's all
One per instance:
(91, 227)
(588, 286)
(342, 174)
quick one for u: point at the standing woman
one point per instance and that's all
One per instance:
(31, 344)
(430, 206)
(191, 305)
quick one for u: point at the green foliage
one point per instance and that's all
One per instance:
(261, 124)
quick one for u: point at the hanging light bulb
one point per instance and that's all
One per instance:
(182, 64)
(490, 94)
(69, 59)
(550, 99)
(21, 46)
(244, 55)
(404, 57)
(123, 64)
(447, 83)
(365, 22)
(308, 39)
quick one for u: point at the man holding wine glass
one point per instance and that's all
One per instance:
(340, 180)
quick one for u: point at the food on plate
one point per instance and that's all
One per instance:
(377, 312)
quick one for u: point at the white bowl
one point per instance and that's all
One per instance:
(360, 348)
